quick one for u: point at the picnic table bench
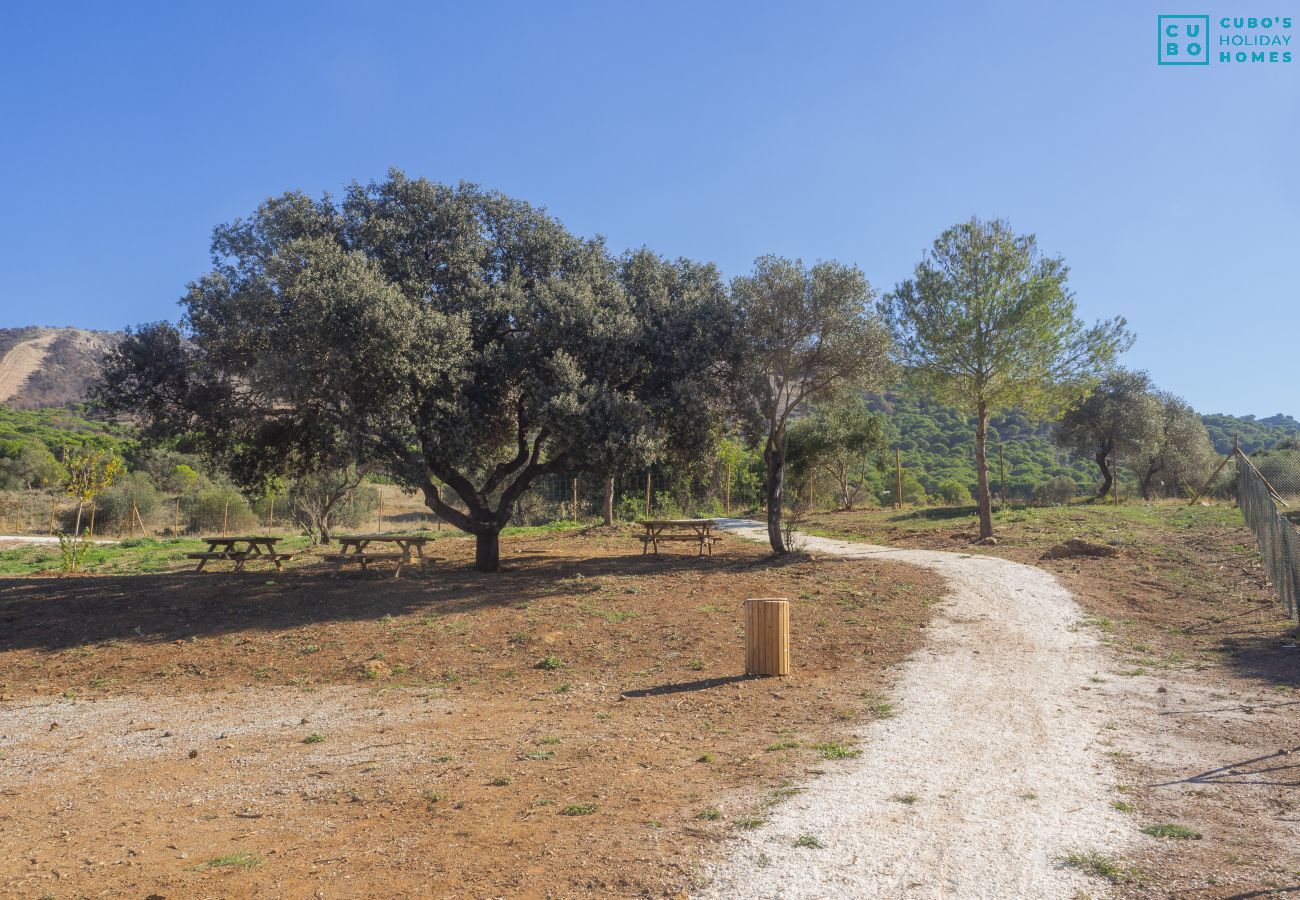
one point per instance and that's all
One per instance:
(240, 550)
(696, 531)
(353, 548)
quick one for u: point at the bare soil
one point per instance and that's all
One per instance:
(1204, 711)
(577, 725)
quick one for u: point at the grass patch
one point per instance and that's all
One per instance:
(314, 738)
(1172, 830)
(837, 750)
(578, 809)
(905, 799)
(242, 859)
(709, 815)
(550, 663)
(809, 842)
(1097, 865)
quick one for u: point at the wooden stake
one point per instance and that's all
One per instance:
(225, 517)
(270, 516)
(647, 494)
(176, 520)
(52, 503)
(1002, 478)
(92, 521)
(726, 503)
(767, 636)
(898, 478)
(575, 499)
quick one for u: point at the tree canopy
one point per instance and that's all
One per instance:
(808, 334)
(988, 322)
(452, 335)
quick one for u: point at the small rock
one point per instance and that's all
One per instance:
(1162, 690)
(193, 754)
(7, 697)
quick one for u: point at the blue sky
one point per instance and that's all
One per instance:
(854, 131)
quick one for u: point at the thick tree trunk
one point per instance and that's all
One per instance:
(775, 457)
(982, 470)
(607, 507)
(487, 550)
(323, 526)
(1107, 478)
(1145, 480)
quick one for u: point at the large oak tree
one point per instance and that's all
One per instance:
(450, 335)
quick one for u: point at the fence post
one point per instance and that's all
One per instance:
(647, 494)
(1002, 478)
(270, 515)
(726, 507)
(575, 499)
(92, 521)
(225, 517)
(176, 519)
(53, 502)
(898, 478)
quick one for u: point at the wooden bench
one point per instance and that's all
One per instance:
(228, 549)
(353, 548)
(693, 531)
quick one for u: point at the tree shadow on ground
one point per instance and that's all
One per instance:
(56, 613)
(1278, 769)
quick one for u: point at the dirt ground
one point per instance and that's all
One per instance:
(574, 726)
(1205, 706)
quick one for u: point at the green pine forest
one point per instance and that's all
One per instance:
(935, 442)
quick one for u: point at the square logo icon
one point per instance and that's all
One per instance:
(1184, 40)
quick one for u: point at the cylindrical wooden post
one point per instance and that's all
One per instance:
(225, 517)
(767, 636)
(647, 495)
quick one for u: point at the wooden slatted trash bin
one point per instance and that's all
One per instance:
(767, 636)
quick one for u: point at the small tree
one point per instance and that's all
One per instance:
(809, 334)
(313, 500)
(988, 323)
(90, 473)
(1055, 491)
(1120, 418)
(1181, 453)
(843, 439)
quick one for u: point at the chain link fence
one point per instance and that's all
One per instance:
(1263, 498)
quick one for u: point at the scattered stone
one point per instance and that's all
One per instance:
(1162, 690)
(193, 754)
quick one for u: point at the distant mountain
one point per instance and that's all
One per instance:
(50, 366)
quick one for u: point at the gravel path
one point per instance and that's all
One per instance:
(995, 737)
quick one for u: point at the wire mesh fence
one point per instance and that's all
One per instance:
(1262, 503)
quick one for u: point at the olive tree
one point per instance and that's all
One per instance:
(987, 323)
(1181, 454)
(809, 335)
(447, 335)
(1120, 418)
(843, 439)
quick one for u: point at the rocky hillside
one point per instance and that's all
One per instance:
(49, 366)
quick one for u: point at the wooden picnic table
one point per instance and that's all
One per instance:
(697, 531)
(240, 550)
(353, 548)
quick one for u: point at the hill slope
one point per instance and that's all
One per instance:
(50, 366)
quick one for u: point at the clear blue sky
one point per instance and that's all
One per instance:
(855, 131)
